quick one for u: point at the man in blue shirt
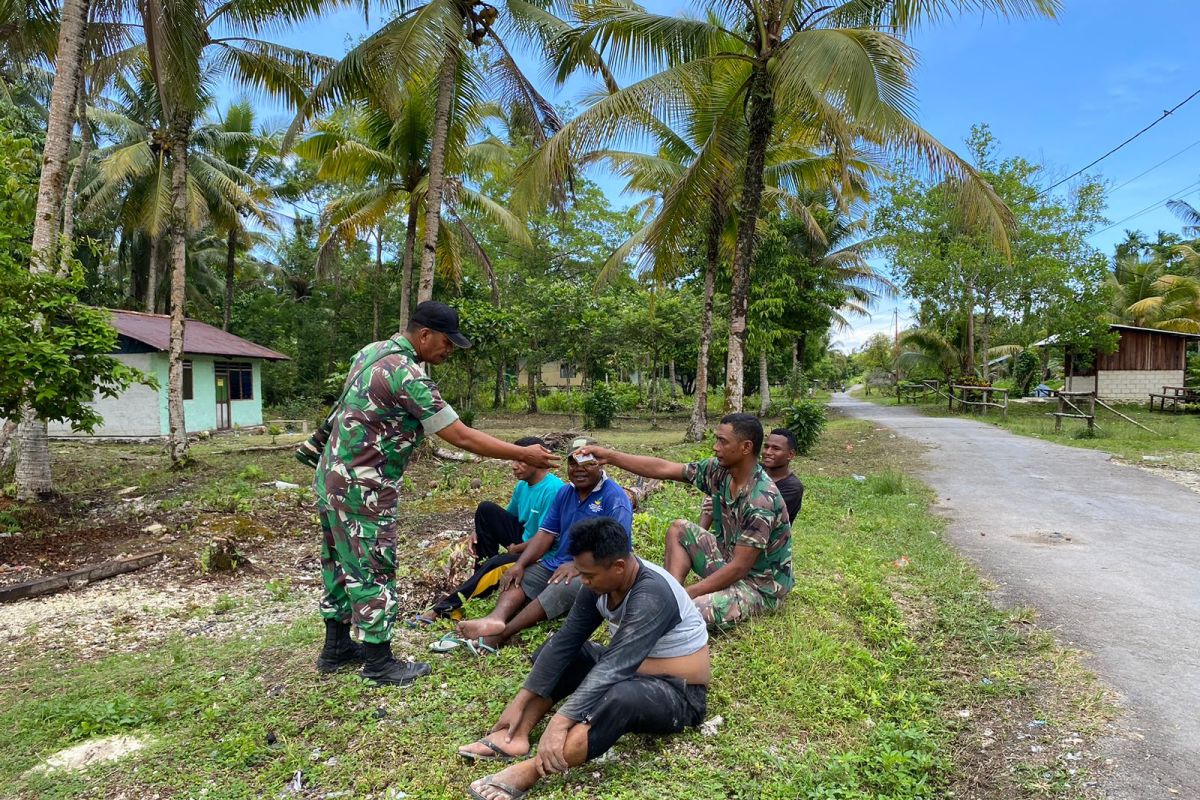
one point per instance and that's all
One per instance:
(544, 581)
(497, 527)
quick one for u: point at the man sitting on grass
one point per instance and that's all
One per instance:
(652, 678)
(543, 583)
(778, 450)
(497, 527)
(745, 562)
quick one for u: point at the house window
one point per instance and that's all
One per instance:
(187, 380)
(566, 370)
(240, 380)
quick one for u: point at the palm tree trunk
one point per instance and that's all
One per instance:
(498, 391)
(33, 477)
(969, 354)
(7, 431)
(175, 419)
(699, 420)
(654, 391)
(230, 262)
(56, 153)
(85, 152)
(531, 380)
(152, 272)
(671, 376)
(760, 124)
(377, 283)
(437, 168)
(764, 386)
(410, 246)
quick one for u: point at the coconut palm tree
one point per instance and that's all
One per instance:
(379, 148)
(187, 44)
(442, 33)
(1147, 295)
(842, 67)
(133, 174)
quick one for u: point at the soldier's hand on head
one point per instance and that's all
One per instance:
(540, 457)
(601, 454)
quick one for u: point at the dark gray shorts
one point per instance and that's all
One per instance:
(556, 598)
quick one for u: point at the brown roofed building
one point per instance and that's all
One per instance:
(222, 379)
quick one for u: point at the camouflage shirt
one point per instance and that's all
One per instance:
(756, 518)
(386, 413)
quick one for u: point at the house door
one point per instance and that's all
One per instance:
(224, 416)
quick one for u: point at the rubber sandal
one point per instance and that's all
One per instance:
(497, 753)
(417, 621)
(478, 648)
(447, 643)
(490, 780)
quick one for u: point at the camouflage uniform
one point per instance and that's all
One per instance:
(386, 413)
(756, 517)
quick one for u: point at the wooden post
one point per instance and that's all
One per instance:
(1058, 416)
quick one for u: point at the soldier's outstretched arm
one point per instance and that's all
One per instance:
(481, 444)
(646, 466)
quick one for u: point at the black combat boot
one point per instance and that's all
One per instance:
(382, 668)
(340, 650)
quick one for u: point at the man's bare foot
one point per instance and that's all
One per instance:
(488, 628)
(519, 746)
(519, 777)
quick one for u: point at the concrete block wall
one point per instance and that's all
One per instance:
(1136, 385)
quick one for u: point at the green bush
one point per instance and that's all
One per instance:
(561, 402)
(599, 407)
(627, 395)
(805, 420)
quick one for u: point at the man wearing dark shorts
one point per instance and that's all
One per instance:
(543, 583)
(652, 678)
(496, 527)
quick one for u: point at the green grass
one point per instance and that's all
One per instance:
(1176, 437)
(851, 691)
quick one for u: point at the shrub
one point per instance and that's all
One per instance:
(561, 402)
(599, 407)
(805, 420)
(467, 415)
(627, 395)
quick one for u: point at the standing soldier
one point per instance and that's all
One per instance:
(387, 408)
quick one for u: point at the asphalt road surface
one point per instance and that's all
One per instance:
(1108, 554)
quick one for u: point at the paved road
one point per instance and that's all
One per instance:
(1125, 586)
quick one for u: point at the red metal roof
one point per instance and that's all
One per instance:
(198, 338)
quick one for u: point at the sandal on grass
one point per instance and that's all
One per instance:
(497, 753)
(445, 644)
(512, 791)
(478, 647)
(419, 621)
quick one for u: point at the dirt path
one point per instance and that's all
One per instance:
(1110, 556)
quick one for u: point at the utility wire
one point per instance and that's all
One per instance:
(1156, 166)
(1088, 166)
(1172, 196)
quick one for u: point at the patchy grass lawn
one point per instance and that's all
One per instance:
(887, 675)
(1175, 440)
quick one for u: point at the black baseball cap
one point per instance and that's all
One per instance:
(441, 318)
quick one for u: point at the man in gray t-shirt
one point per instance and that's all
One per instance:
(652, 677)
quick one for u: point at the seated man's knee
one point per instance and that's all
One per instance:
(676, 531)
(557, 598)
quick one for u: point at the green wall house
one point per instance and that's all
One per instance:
(222, 379)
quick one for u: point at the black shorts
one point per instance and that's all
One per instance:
(651, 704)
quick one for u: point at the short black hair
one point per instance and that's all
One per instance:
(526, 441)
(786, 434)
(746, 427)
(603, 537)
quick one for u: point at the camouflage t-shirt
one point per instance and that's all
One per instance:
(756, 517)
(386, 413)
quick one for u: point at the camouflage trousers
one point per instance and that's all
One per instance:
(358, 568)
(731, 605)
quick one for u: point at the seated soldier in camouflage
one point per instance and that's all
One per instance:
(745, 562)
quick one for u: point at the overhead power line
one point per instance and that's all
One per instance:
(1091, 164)
(1156, 166)
(1172, 196)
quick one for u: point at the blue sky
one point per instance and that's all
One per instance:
(1058, 92)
